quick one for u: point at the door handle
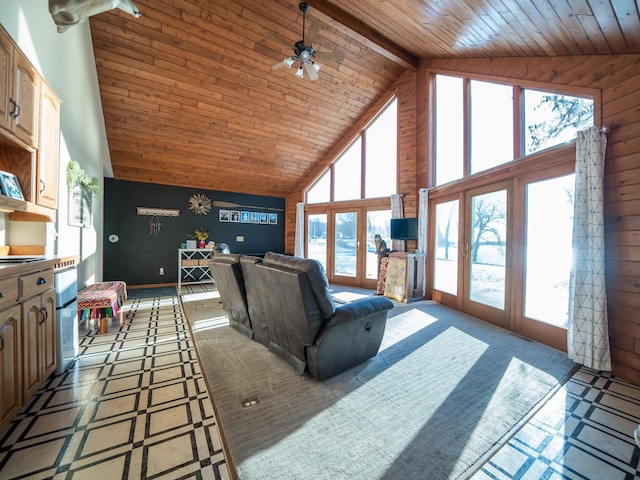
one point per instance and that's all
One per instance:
(41, 281)
(16, 110)
(465, 252)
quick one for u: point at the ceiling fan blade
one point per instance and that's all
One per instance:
(338, 56)
(312, 33)
(311, 71)
(278, 39)
(279, 65)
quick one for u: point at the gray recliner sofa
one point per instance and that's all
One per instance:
(291, 311)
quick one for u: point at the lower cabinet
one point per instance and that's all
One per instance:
(28, 336)
(10, 381)
(38, 341)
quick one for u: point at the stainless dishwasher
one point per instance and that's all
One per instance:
(66, 283)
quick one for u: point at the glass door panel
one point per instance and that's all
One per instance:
(485, 250)
(446, 253)
(317, 238)
(345, 251)
(549, 220)
(378, 222)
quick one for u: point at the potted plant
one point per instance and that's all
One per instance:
(201, 234)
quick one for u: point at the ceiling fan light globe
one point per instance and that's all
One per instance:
(315, 65)
(305, 56)
(299, 72)
(289, 61)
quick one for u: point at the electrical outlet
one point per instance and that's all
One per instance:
(239, 238)
(161, 270)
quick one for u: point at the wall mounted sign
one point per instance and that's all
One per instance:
(80, 206)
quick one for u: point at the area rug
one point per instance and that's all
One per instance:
(152, 292)
(444, 390)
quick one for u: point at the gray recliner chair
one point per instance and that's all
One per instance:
(227, 274)
(304, 325)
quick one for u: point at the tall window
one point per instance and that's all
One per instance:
(481, 125)
(491, 125)
(449, 110)
(320, 192)
(368, 168)
(347, 171)
(381, 153)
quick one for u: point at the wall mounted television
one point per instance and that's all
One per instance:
(404, 228)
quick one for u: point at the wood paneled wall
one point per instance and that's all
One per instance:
(618, 79)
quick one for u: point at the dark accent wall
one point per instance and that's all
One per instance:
(137, 256)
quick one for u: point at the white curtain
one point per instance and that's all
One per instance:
(588, 332)
(423, 218)
(396, 212)
(299, 238)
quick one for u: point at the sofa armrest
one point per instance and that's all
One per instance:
(350, 337)
(359, 309)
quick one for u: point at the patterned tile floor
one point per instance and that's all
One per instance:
(584, 431)
(135, 406)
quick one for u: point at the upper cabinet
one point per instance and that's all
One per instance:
(20, 86)
(29, 135)
(48, 155)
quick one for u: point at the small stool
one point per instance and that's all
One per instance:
(102, 301)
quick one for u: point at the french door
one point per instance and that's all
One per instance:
(502, 252)
(485, 241)
(343, 240)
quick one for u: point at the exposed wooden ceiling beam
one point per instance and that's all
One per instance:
(345, 23)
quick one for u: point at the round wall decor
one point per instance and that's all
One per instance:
(199, 204)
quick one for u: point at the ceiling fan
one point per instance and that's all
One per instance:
(303, 50)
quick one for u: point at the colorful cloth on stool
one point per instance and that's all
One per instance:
(382, 277)
(102, 299)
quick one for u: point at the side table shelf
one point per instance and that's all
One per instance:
(193, 266)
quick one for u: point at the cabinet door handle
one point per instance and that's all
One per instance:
(44, 185)
(43, 314)
(1, 343)
(13, 104)
(41, 281)
(1, 295)
(17, 110)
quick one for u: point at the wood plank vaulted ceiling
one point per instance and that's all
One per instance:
(190, 99)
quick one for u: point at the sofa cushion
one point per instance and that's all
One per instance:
(315, 274)
(227, 274)
(254, 279)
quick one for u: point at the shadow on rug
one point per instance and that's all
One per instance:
(443, 391)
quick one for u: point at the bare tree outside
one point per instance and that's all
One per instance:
(555, 117)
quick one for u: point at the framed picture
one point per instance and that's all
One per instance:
(264, 218)
(244, 217)
(235, 216)
(10, 186)
(255, 217)
(80, 206)
(273, 218)
(223, 216)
